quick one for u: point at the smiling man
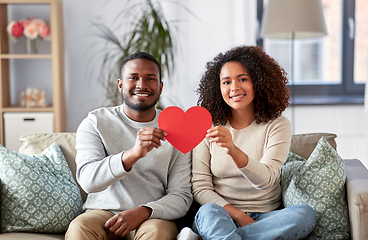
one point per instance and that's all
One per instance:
(137, 183)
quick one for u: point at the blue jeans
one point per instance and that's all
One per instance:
(294, 222)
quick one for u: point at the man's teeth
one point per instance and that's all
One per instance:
(142, 94)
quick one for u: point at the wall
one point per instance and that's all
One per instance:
(218, 25)
(213, 26)
(348, 122)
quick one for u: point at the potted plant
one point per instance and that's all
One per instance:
(147, 30)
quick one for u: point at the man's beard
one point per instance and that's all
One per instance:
(141, 107)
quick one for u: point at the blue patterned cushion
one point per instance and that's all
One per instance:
(39, 193)
(320, 183)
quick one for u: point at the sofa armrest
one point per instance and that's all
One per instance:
(1, 202)
(357, 196)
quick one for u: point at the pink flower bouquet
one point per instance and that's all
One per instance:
(31, 28)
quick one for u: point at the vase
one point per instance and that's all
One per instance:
(31, 46)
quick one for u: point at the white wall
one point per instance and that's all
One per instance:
(221, 25)
(348, 122)
(215, 26)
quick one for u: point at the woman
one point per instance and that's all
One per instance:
(237, 167)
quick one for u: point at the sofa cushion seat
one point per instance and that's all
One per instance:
(31, 236)
(301, 144)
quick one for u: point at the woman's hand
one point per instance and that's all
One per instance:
(238, 216)
(223, 138)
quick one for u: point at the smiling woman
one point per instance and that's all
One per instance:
(271, 96)
(237, 91)
(237, 167)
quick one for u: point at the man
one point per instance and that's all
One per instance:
(135, 180)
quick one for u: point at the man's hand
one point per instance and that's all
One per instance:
(123, 223)
(147, 139)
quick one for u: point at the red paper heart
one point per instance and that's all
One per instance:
(185, 130)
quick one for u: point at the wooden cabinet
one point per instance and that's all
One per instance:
(49, 62)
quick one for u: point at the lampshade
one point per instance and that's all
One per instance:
(304, 18)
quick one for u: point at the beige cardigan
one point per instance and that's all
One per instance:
(254, 188)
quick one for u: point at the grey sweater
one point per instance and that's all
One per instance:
(161, 180)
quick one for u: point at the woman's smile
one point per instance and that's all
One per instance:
(237, 86)
(237, 97)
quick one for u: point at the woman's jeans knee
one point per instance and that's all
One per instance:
(294, 222)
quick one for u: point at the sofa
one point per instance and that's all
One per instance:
(356, 183)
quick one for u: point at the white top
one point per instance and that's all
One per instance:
(253, 188)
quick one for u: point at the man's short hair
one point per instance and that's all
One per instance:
(141, 55)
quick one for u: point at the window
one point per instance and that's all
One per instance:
(332, 69)
(361, 42)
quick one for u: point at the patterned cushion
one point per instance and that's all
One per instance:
(320, 183)
(39, 193)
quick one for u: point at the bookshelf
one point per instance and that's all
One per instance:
(47, 66)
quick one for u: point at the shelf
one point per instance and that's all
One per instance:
(43, 70)
(25, 109)
(25, 1)
(25, 56)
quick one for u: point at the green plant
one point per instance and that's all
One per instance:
(146, 30)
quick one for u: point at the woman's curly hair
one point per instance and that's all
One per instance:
(271, 96)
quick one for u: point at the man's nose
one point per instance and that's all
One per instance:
(141, 83)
